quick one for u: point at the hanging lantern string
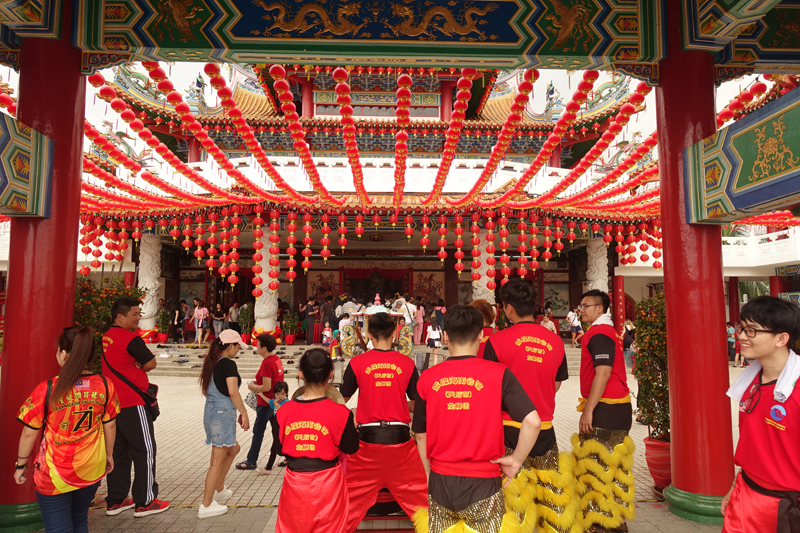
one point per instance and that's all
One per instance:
(463, 95)
(403, 93)
(340, 76)
(504, 138)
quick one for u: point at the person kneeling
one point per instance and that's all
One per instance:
(459, 427)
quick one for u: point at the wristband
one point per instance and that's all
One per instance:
(21, 467)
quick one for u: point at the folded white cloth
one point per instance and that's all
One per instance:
(604, 319)
(783, 388)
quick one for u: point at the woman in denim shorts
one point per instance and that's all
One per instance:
(220, 381)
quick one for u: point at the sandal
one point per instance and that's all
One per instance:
(244, 465)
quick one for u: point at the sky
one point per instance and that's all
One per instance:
(183, 74)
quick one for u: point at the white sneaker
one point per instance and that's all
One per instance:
(223, 496)
(215, 509)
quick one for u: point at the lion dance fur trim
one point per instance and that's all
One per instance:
(420, 521)
(605, 482)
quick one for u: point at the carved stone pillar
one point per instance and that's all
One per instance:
(149, 278)
(266, 310)
(597, 265)
(479, 289)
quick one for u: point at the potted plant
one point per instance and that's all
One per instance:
(246, 322)
(653, 398)
(163, 325)
(289, 326)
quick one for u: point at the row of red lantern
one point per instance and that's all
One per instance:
(736, 107)
(117, 201)
(636, 241)
(506, 135)
(246, 132)
(111, 180)
(342, 91)
(369, 70)
(464, 85)
(622, 118)
(191, 124)
(638, 180)
(292, 119)
(403, 93)
(116, 243)
(562, 125)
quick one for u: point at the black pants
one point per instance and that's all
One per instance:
(173, 332)
(235, 327)
(135, 445)
(276, 442)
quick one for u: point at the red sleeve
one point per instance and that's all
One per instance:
(32, 411)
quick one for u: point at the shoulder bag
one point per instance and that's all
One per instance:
(413, 321)
(149, 397)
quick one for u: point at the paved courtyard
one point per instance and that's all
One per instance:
(183, 460)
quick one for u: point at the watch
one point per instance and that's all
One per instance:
(20, 467)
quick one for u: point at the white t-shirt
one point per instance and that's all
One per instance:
(572, 317)
(433, 333)
(233, 314)
(409, 311)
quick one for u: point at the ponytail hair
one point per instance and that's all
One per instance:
(316, 365)
(215, 351)
(78, 342)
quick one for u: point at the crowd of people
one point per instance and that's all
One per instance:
(183, 319)
(468, 444)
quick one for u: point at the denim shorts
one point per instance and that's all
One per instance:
(220, 424)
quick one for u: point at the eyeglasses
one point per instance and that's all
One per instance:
(748, 404)
(752, 332)
(583, 307)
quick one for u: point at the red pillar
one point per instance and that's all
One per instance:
(41, 291)
(555, 158)
(194, 150)
(733, 299)
(308, 99)
(618, 302)
(775, 285)
(700, 413)
(446, 92)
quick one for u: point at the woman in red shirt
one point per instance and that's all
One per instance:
(487, 311)
(76, 409)
(314, 432)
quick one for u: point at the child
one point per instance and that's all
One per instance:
(326, 334)
(398, 329)
(434, 334)
(281, 392)
(335, 349)
(314, 432)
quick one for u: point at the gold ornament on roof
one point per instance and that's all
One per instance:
(773, 155)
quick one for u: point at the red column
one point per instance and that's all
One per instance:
(555, 158)
(308, 99)
(446, 104)
(700, 413)
(194, 150)
(775, 285)
(618, 302)
(41, 290)
(733, 299)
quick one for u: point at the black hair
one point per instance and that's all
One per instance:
(280, 386)
(605, 300)
(520, 296)
(463, 324)
(182, 301)
(122, 306)
(346, 315)
(265, 340)
(329, 298)
(775, 315)
(547, 304)
(316, 365)
(381, 325)
(440, 303)
(78, 342)
(215, 351)
(730, 323)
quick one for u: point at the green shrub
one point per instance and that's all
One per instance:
(651, 366)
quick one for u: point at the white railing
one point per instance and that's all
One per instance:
(768, 249)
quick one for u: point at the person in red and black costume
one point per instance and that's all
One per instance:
(387, 384)
(537, 358)
(314, 432)
(766, 493)
(602, 443)
(458, 425)
(126, 361)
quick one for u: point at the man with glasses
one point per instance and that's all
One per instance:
(765, 495)
(603, 444)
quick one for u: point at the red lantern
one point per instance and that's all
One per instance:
(325, 241)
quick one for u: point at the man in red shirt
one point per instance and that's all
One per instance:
(126, 361)
(766, 492)
(606, 414)
(269, 373)
(536, 357)
(387, 457)
(458, 423)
